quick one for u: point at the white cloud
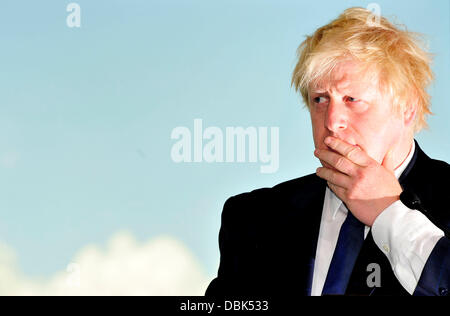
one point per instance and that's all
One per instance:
(160, 266)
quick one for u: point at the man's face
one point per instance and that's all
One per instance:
(350, 106)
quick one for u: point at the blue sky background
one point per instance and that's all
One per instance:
(86, 113)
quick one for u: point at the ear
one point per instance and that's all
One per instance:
(409, 114)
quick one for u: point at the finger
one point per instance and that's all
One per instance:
(338, 161)
(339, 191)
(334, 177)
(388, 161)
(353, 153)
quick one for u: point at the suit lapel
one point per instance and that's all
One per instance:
(304, 218)
(316, 208)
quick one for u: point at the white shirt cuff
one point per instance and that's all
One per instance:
(407, 238)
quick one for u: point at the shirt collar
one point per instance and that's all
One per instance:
(335, 202)
(398, 172)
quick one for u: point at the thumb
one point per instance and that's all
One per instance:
(388, 161)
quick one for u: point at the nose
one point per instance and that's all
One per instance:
(336, 116)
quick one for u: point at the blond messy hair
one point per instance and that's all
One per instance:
(397, 55)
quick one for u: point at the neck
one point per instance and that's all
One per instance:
(402, 150)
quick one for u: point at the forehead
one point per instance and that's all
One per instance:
(348, 76)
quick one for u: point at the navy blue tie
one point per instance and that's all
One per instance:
(351, 238)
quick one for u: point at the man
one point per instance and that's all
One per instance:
(373, 219)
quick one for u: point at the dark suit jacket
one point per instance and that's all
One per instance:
(268, 238)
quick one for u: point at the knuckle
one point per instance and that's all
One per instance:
(370, 169)
(360, 175)
(352, 152)
(340, 162)
(332, 177)
(351, 194)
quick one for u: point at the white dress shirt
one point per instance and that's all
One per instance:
(404, 235)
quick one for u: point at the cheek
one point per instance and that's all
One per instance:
(318, 128)
(378, 135)
(384, 128)
(371, 124)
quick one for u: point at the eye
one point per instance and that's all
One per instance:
(319, 100)
(351, 99)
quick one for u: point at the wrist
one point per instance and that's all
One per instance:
(386, 203)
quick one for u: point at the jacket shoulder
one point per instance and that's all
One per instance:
(440, 166)
(263, 195)
(264, 201)
(429, 167)
(428, 179)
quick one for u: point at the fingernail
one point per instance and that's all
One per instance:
(327, 140)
